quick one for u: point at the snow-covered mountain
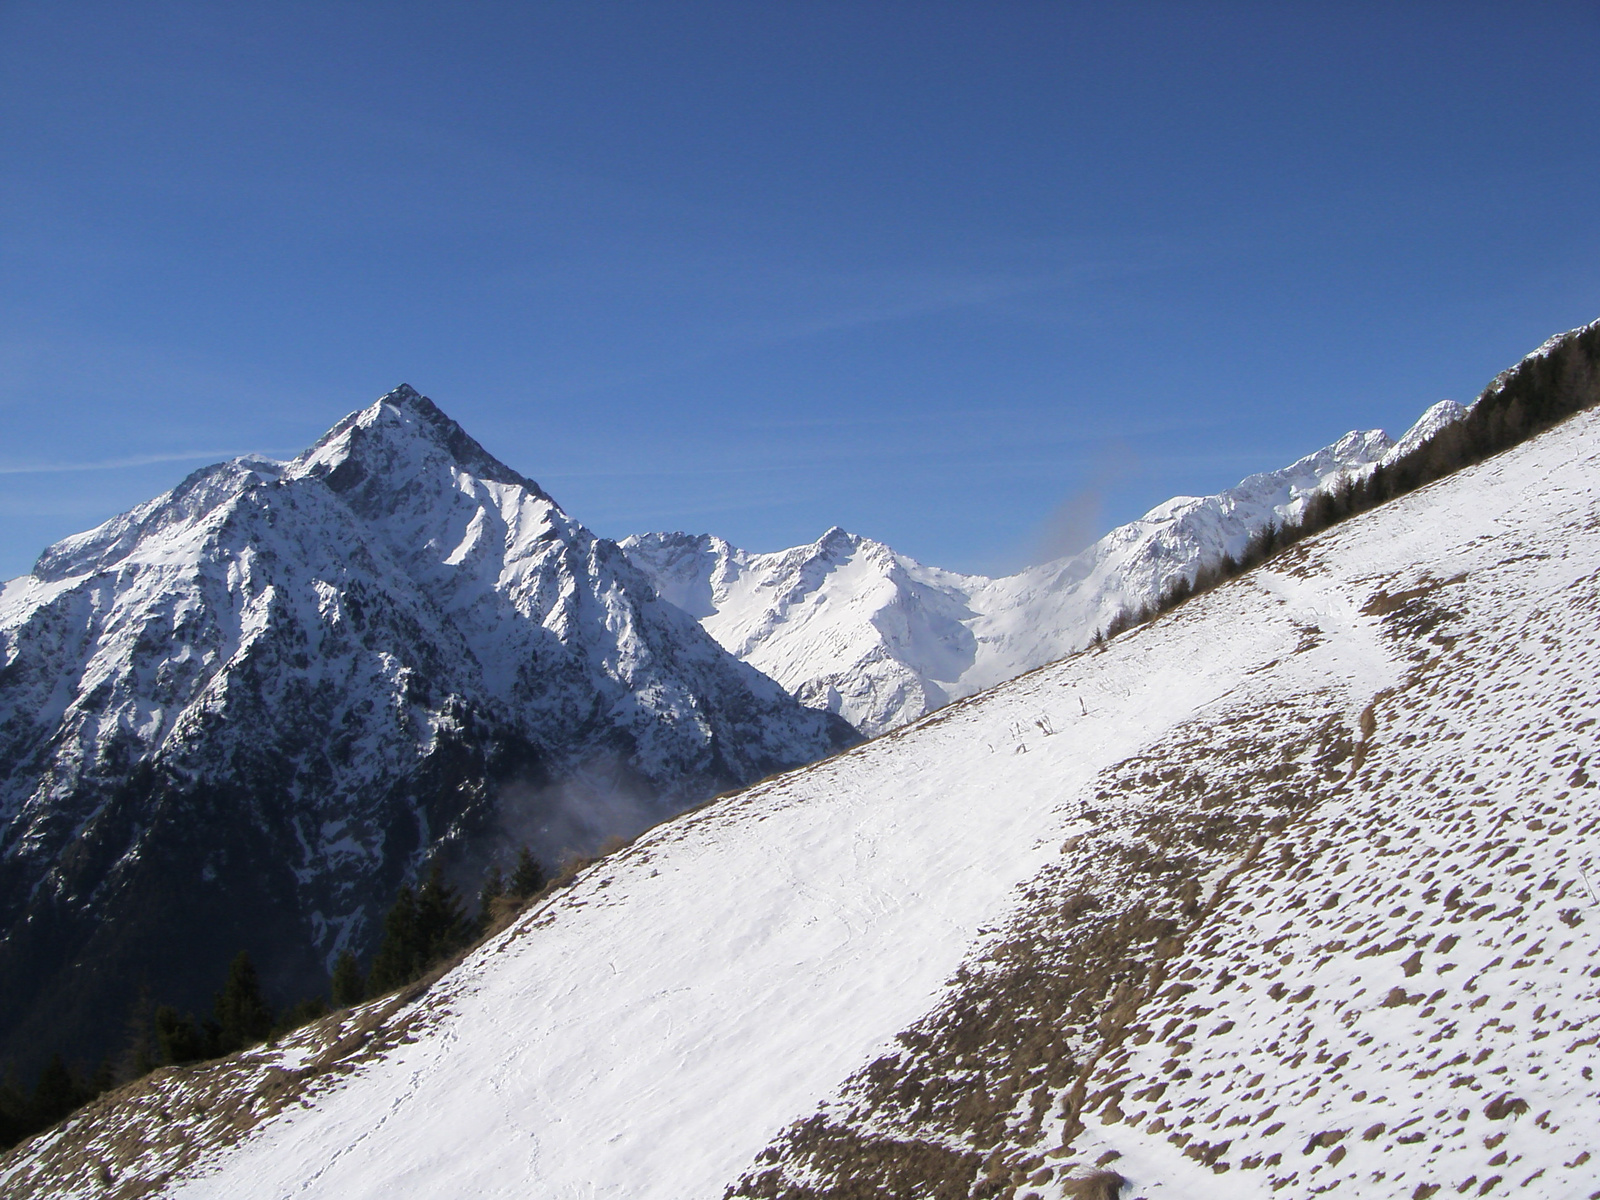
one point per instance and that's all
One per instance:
(241, 714)
(848, 625)
(1283, 894)
(845, 624)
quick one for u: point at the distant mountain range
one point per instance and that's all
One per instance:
(849, 625)
(241, 715)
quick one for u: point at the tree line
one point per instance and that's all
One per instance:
(425, 927)
(1538, 393)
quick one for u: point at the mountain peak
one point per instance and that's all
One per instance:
(393, 429)
(837, 540)
(846, 623)
(332, 672)
(407, 399)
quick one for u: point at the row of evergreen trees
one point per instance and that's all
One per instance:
(425, 927)
(158, 1035)
(429, 925)
(1533, 396)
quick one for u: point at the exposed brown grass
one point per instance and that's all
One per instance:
(1031, 1027)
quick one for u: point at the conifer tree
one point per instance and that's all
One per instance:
(527, 879)
(494, 886)
(396, 961)
(493, 889)
(348, 986)
(422, 927)
(142, 1053)
(442, 926)
(243, 1018)
(56, 1094)
(103, 1079)
(178, 1037)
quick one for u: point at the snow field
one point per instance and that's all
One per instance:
(1413, 982)
(593, 1050)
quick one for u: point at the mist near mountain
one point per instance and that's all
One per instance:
(851, 626)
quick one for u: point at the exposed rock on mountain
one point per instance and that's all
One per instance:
(848, 625)
(1284, 892)
(241, 714)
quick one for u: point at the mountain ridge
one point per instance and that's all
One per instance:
(849, 625)
(297, 681)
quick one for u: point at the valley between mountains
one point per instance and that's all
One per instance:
(1286, 892)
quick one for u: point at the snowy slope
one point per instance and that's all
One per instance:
(1280, 892)
(848, 625)
(242, 714)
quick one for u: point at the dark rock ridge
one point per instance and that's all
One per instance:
(242, 714)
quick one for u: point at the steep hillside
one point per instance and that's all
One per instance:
(242, 714)
(1281, 893)
(848, 625)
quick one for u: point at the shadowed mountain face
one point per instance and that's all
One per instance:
(241, 715)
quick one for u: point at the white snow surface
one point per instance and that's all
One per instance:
(645, 1032)
(849, 625)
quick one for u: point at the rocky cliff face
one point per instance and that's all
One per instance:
(242, 714)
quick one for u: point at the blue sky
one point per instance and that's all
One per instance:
(930, 271)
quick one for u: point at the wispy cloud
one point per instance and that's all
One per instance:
(117, 464)
(702, 306)
(920, 297)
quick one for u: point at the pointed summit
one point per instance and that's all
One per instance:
(396, 438)
(408, 400)
(836, 545)
(391, 649)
